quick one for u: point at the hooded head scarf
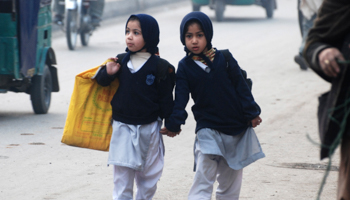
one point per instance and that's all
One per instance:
(150, 32)
(207, 28)
(205, 23)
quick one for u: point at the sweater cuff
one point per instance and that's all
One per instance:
(315, 61)
(105, 74)
(171, 127)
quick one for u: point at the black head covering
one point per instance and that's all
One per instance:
(150, 32)
(205, 23)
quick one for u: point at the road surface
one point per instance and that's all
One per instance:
(35, 165)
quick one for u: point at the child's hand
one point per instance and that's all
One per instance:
(112, 66)
(165, 131)
(256, 121)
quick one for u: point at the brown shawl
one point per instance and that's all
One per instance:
(331, 29)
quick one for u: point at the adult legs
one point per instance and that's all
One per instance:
(96, 11)
(307, 25)
(59, 11)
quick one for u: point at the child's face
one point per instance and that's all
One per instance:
(195, 39)
(133, 36)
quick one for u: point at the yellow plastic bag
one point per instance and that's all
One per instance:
(88, 123)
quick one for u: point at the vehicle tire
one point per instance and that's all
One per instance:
(40, 91)
(72, 29)
(196, 7)
(219, 10)
(269, 7)
(84, 37)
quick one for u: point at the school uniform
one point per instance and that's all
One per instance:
(222, 157)
(222, 101)
(136, 147)
(141, 102)
(136, 153)
(223, 108)
(219, 155)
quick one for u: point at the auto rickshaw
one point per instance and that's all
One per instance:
(26, 56)
(219, 6)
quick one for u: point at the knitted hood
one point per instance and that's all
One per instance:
(150, 32)
(206, 25)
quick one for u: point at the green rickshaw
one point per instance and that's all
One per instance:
(26, 56)
(219, 6)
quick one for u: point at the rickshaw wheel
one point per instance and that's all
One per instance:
(219, 10)
(196, 7)
(84, 37)
(40, 92)
(72, 29)
(269, 7)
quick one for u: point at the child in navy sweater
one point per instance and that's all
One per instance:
(224, 110)
(144, 97)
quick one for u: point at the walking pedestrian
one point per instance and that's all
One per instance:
(224, 109)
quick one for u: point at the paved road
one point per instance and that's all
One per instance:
(34, 165)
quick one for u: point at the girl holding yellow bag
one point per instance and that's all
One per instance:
(144, 98)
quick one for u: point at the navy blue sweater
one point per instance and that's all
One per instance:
(141, 97)
(221, 103)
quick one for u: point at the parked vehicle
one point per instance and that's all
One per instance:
(77, 22)
(219, 6)
(27, 59)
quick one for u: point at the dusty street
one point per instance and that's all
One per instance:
(35, 165)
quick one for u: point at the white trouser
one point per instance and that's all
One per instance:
(124, 182)
(210, 168)
(146, 180)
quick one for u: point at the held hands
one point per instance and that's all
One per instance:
(256, 121)
(328, 61)
(165, 131)
(112, 66)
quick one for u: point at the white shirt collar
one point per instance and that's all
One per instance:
(202, 65)
(137, 60)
